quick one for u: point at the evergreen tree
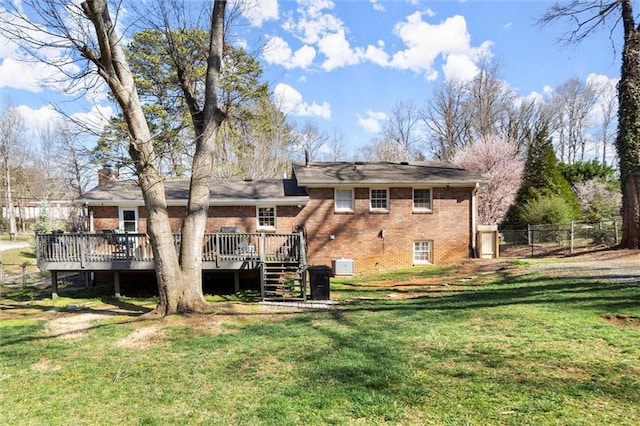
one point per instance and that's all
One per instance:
(542, 185)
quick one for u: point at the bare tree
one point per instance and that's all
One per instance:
(401, 128)
(310, 140)
(73, 157)
(444, 118)
(584, 18)
(500, 163)
(336, 147)
(607, 108)
(89, 37)
(574, 101)
(487, 102)
(11, 133)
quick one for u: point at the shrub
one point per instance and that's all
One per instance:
(547, 209)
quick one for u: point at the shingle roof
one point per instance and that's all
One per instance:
(384, 173)
(292, 191)
(223, 192)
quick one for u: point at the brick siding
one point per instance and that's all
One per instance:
(355, 235)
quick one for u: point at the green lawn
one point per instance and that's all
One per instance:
(507, 348)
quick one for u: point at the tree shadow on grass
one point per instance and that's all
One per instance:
(609, 293)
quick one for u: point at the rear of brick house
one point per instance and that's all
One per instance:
(370, 216)
(380, 215)
(388, 215)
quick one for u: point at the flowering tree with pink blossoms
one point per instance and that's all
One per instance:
(500, 163)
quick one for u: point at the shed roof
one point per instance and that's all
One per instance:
(384, 173)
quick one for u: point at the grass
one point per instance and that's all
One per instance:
(13, 260)
(509, 348)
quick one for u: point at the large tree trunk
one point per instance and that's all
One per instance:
(631, 213)
(179, 279)
(628, 139)
(206, 122)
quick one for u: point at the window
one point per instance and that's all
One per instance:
(128, 219)
(344, 200)
(266, 218)
(422, 199)
(422, 252)
(379, 199)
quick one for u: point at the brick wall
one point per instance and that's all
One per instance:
(354, 235)
(357, 235)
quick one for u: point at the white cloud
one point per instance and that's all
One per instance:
(371, 122)
(426, 42)
(314, 7)
(291, 102)
(259, 11)
(463, 66)
(338, 51)
(36, 119)
(377, 6)
(96, 118)
(23, 75)
(377, 54)
(314, 27)
(277, 51)
(313, 23)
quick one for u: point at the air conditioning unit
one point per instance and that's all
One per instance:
(343, 267)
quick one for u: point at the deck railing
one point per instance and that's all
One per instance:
(134, 247)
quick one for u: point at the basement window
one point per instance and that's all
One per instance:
(422, 252)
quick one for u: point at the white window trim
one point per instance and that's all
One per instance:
(275, 218)
(421, 261)
(121, 211)
(335, 200)
(378, 209)
(413, 200)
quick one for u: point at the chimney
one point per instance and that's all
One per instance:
(107, 174)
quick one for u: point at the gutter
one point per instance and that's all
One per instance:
(474, 219)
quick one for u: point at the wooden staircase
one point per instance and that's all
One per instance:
(283, 280)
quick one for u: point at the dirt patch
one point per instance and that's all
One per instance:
(142, 337)
(612, 265)
(623, 321)
(44, 365)
(72, 326)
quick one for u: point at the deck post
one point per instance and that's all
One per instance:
(54, 284)
(262, 281)
(116, 283)
(236, 280)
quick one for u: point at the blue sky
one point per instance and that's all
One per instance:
(344, 64)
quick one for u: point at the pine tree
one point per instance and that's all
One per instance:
(542, 181)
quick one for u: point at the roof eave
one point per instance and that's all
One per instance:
(289, 201)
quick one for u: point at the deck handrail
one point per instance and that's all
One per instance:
(83, 247)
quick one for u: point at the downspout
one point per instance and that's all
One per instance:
(91, 227)
(474, 219)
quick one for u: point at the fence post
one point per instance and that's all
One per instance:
(572, 237)
(615, 231)
(530, 237)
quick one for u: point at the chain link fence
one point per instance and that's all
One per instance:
(559, 239)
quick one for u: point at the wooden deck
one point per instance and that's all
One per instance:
(130, 251)
(280, 258)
